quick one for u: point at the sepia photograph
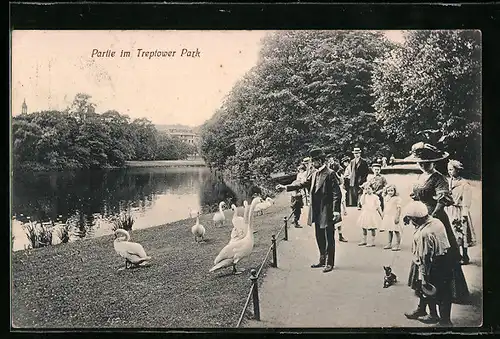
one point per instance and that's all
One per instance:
(211, 179)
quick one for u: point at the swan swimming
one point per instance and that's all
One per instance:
(133, 252)
(235, 251)
(219, 216)
(197, 229)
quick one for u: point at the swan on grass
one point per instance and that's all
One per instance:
(133, 252)
(264, 205)
(198, 230)
(237, 250)
(239, 223)
(219, 216)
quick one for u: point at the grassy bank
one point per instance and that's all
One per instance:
(78, 285)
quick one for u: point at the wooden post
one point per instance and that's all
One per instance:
(275, 252)
(286, 228)
(255, 294)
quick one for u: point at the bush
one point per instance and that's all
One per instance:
(38, 236)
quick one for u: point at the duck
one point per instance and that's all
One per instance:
(239, 223)
(219, 216)
(197, 229)
(264, 205)
(133, 252)
(237, 250)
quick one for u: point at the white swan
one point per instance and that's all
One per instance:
(197, 229)
(239, 223)
(264, 205)
(233, 252)
(133, 252)
(219, 216)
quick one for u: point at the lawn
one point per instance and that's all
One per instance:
(78, 285)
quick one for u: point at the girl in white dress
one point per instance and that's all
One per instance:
(371, 215)
(392, 216)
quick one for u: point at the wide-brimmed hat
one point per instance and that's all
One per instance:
(346, 158)
(376, 164)
(317, 153)
(356, 150)
(428, 290)
(423, 152)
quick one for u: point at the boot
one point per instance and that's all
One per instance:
(322, 260)
(296, 222)
(398, 242)
(363, 242)
(341, 238)
(432, 317)
(419, 312)
(371, 243)
(330, 261)
(389, 244)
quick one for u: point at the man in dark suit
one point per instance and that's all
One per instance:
(324, 210)
(359, 174)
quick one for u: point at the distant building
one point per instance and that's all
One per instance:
(24, 107)
(185, 133)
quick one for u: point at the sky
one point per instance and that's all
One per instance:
(50, 67)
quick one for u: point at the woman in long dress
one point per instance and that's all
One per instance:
(459, 212)
(432, 189)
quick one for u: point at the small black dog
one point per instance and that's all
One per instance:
(389, 278)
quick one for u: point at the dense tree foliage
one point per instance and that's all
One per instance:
(80, 138)
(341, 89)
(309, 88)
(433, 82)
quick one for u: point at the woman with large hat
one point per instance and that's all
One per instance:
(430, 269)
(432, 190)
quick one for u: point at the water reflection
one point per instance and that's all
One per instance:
(89, 201)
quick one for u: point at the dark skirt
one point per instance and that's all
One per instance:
(446, 276)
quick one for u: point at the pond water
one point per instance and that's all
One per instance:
(90, 201)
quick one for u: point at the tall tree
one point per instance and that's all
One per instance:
(432, 82)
